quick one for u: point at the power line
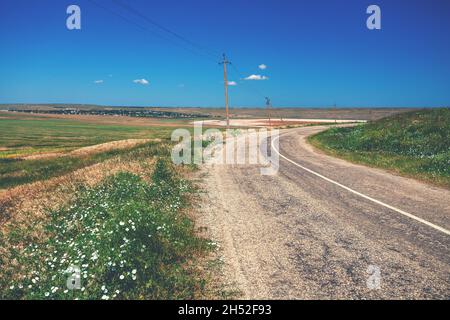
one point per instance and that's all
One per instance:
(151, 31)
(208, 51)
(185, 43)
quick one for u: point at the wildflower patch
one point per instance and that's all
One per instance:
(124, 239)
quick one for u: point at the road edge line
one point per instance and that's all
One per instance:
(409, 215)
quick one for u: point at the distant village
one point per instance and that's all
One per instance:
(135, 112)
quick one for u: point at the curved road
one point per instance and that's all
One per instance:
(359, 233)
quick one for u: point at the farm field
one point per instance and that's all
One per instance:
(235, 112)
(299, 113)
(24, 134)
(26, 140)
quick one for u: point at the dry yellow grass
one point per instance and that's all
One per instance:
(98, 148)
(28, 204)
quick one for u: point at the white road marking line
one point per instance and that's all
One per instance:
(409, 215)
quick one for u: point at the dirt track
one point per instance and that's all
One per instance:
(296, 236)
(98, 148)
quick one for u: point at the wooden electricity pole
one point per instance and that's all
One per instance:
(225, 79)
(335, 113)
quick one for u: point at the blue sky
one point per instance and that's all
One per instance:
(317, 53)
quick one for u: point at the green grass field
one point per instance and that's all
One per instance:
(22, 136)
(414, 144)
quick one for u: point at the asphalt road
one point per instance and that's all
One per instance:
(296, 235)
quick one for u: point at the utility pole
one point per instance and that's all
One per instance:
(335, 114)
(225, 79)
(269, 106)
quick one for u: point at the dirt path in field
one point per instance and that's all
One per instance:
(31, 202)
(98, 148)
(294, 235)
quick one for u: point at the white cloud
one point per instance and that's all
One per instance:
(98, 81)
(232, 83)
(141, 81)
(262, 66)
(256, 77)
